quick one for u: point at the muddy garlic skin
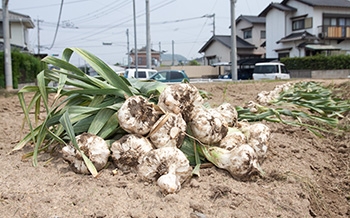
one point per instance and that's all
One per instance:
(258, 135)
(208, 125)
(128, 151)
(137, 115)
(265, 97)
(180, 98)
(168, 131)
(240, 162)
(229, 113)
(168, 166)
(94, 147)
(233, 139)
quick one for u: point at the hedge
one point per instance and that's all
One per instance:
(25, 67)
(318, 62)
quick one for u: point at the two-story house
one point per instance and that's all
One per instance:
(250, 40)
(142, 57)
(19, 25)
(252, 30)
(297, 28)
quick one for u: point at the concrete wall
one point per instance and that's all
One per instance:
(196, 71)
(320, 74)
(330, 74)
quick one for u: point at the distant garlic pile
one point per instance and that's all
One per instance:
(265, 97)
(156, 133)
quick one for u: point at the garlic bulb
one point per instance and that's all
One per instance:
(137, 115)
(229, 113)
(233, 139)
(180, 98)
(168, 131)
(208, 125)
(258, 135)
(128, 151)
(166, 165)
(94, 147)
(240, 162)
(265, 97)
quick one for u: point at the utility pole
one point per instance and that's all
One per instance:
(127, 47)
(135, 40)
(38, 26)
(173, 53)
(233, 42)
(148, 37)
(211, 16)
(7, 45)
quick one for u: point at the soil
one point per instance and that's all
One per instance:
(305, 176)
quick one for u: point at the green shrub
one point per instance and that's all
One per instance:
(25, 67)
(318, 62)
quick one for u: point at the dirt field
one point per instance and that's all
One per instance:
(306, 176)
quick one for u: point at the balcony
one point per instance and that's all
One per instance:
(334, 32)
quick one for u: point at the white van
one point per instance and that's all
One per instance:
(141, 73)
(270, 70)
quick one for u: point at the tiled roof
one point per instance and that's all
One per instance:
(17, 17)
(323, 3)
(251, 19)
(226, 41)
(277, 6)
(298, 36)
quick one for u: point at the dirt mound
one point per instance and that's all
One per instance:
(305, 176)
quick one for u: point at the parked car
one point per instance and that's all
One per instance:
(141, 73)
(170, 76)
(270, 71)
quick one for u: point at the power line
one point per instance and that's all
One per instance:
(58, 24)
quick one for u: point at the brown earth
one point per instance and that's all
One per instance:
(305, 176)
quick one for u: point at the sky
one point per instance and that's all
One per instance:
(100, 27)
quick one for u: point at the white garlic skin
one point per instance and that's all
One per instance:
(137, 115)
(93, 146)
(180, 98)
(165, 161)
(128, 151)
(170, 133)
(208, 125)
(229, 113)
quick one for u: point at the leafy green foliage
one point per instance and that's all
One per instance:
(80, 103)
(25, 68)
(318, 62)
(318, 110)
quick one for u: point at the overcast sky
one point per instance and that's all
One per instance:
(88, 24)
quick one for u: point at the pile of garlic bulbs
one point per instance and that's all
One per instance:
(155, 134)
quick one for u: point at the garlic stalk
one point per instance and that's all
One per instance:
(239, 162)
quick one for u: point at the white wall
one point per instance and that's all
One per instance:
(275, 30)
(219, 48)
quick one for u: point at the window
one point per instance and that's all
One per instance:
(304, 23)
(176, 75)
(298, 24)
(141, 74)
(262, 34)
(247, 34)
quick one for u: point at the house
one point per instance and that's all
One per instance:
(142, 57)
(218, 49)
(298, 28)
(252, 30)
(19, 25)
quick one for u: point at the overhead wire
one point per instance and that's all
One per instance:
(58, 24)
